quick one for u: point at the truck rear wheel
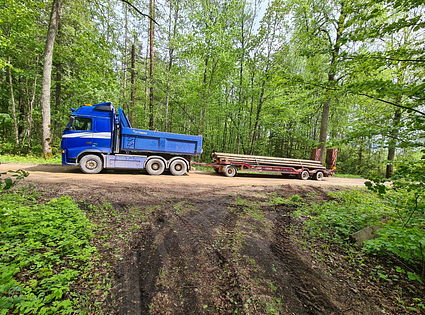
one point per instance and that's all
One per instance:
(155, 166)
(304, 175)
(230, 171)
(178, 167)
(319, 175)
(91, 164)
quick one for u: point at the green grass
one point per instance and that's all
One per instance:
(348, 176)
(44, 250)
(8, 158)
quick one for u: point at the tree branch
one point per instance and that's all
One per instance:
(138, 11)
(363, 94)
(388, 59)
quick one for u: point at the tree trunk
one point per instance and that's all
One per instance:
(47, 78)
(392, 145)
(30, 110)
(171, 58)
(125, 66)
(58, 95)
(151, 38)
(12, 96)
(324, 129)
(133, 78)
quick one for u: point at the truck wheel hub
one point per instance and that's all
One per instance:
(91, 164)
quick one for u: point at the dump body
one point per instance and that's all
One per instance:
(228, 164)
(104, 133)
(138, 140)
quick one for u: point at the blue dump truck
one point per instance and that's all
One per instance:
(100, 137)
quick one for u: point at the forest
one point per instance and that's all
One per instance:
(273, 78)
(257, 77)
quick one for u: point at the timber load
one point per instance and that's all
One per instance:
(229, 158)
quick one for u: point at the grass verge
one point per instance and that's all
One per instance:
(8, 158)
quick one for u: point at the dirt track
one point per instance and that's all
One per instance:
(58, 173)
(202, 243)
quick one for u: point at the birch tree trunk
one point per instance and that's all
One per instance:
(47, 78)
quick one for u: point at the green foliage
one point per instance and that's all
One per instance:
(404, 235)
(351, 211)
(295, 201)
(9, 182)
(44, 249)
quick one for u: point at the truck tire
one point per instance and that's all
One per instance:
(91, 164)
(230, 171)
(319, 175)
(155, 166)
(304, 175)
(178, 167)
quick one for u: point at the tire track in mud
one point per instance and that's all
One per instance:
(305, 283)
(186, 261)
(135, 277)
(182, 243)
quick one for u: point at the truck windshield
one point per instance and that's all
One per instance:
(79, 123)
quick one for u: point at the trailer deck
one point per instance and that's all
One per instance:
(228, 164)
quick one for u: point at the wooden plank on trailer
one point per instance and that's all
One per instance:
(263, 160)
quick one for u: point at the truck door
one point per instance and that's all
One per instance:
(77, 137)
(102, 135)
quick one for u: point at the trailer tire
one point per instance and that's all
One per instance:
(91, 164)
(155, 166)
(304, 175)
(230, 171)
(319, 175)
(178, 167)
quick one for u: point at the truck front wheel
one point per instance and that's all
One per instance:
(155, 166)
(91, 164)
(178, 167)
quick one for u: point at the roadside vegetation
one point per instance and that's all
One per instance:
(46, 256)
(396, 256)
(32, 159)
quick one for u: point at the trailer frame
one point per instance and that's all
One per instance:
(230, 168)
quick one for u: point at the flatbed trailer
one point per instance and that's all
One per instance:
(229, 164)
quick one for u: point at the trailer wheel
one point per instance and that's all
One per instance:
(230, 171)
(91, 164)
(178, 168)
(319, 175)
(155, 166)
(304, 175)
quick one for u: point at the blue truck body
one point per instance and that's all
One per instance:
(100, 136)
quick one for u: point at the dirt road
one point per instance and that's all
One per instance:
(58, 173)
(203, 243)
